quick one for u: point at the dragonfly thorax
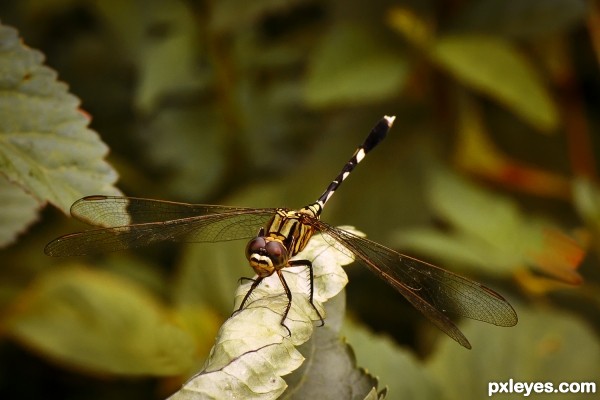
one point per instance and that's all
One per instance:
(286, 234)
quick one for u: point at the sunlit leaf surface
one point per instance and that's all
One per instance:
(18, 211)
(253, 350)
(45, 145)
(94, 321)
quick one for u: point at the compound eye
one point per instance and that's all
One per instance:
(277, 253)
(254, 246)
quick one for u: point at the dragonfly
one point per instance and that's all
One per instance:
(276, 236)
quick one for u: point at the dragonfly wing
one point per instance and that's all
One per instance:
(113, 211)
(437, 293)
(234, 224)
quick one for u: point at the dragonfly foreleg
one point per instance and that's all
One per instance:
(255, 283)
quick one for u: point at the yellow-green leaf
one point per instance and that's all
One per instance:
(97, 322)
(495, 67)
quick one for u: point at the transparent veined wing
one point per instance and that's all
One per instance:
(437, 293)
(133, 222)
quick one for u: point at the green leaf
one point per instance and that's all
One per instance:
(545, 346)
(96, 322)
(45, 145)
(494, 67)
(18, 211)
(374, 395)
(329, 371)
(253, 351)
(352, 66)
(383, 358)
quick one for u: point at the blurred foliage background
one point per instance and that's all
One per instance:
(489, 171)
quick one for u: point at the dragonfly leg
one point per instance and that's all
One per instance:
(255, 283)
(288, 293)
(307, 263)
(244, 279)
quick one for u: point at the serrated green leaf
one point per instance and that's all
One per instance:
(253, 351)
(545, 346)
(18, 211)
(330, 370)
(353, 67)
(373, 395)
(383, 359)
(45, 145)
(494, 67)
(94, 321)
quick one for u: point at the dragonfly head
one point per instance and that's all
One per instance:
(266, 255)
